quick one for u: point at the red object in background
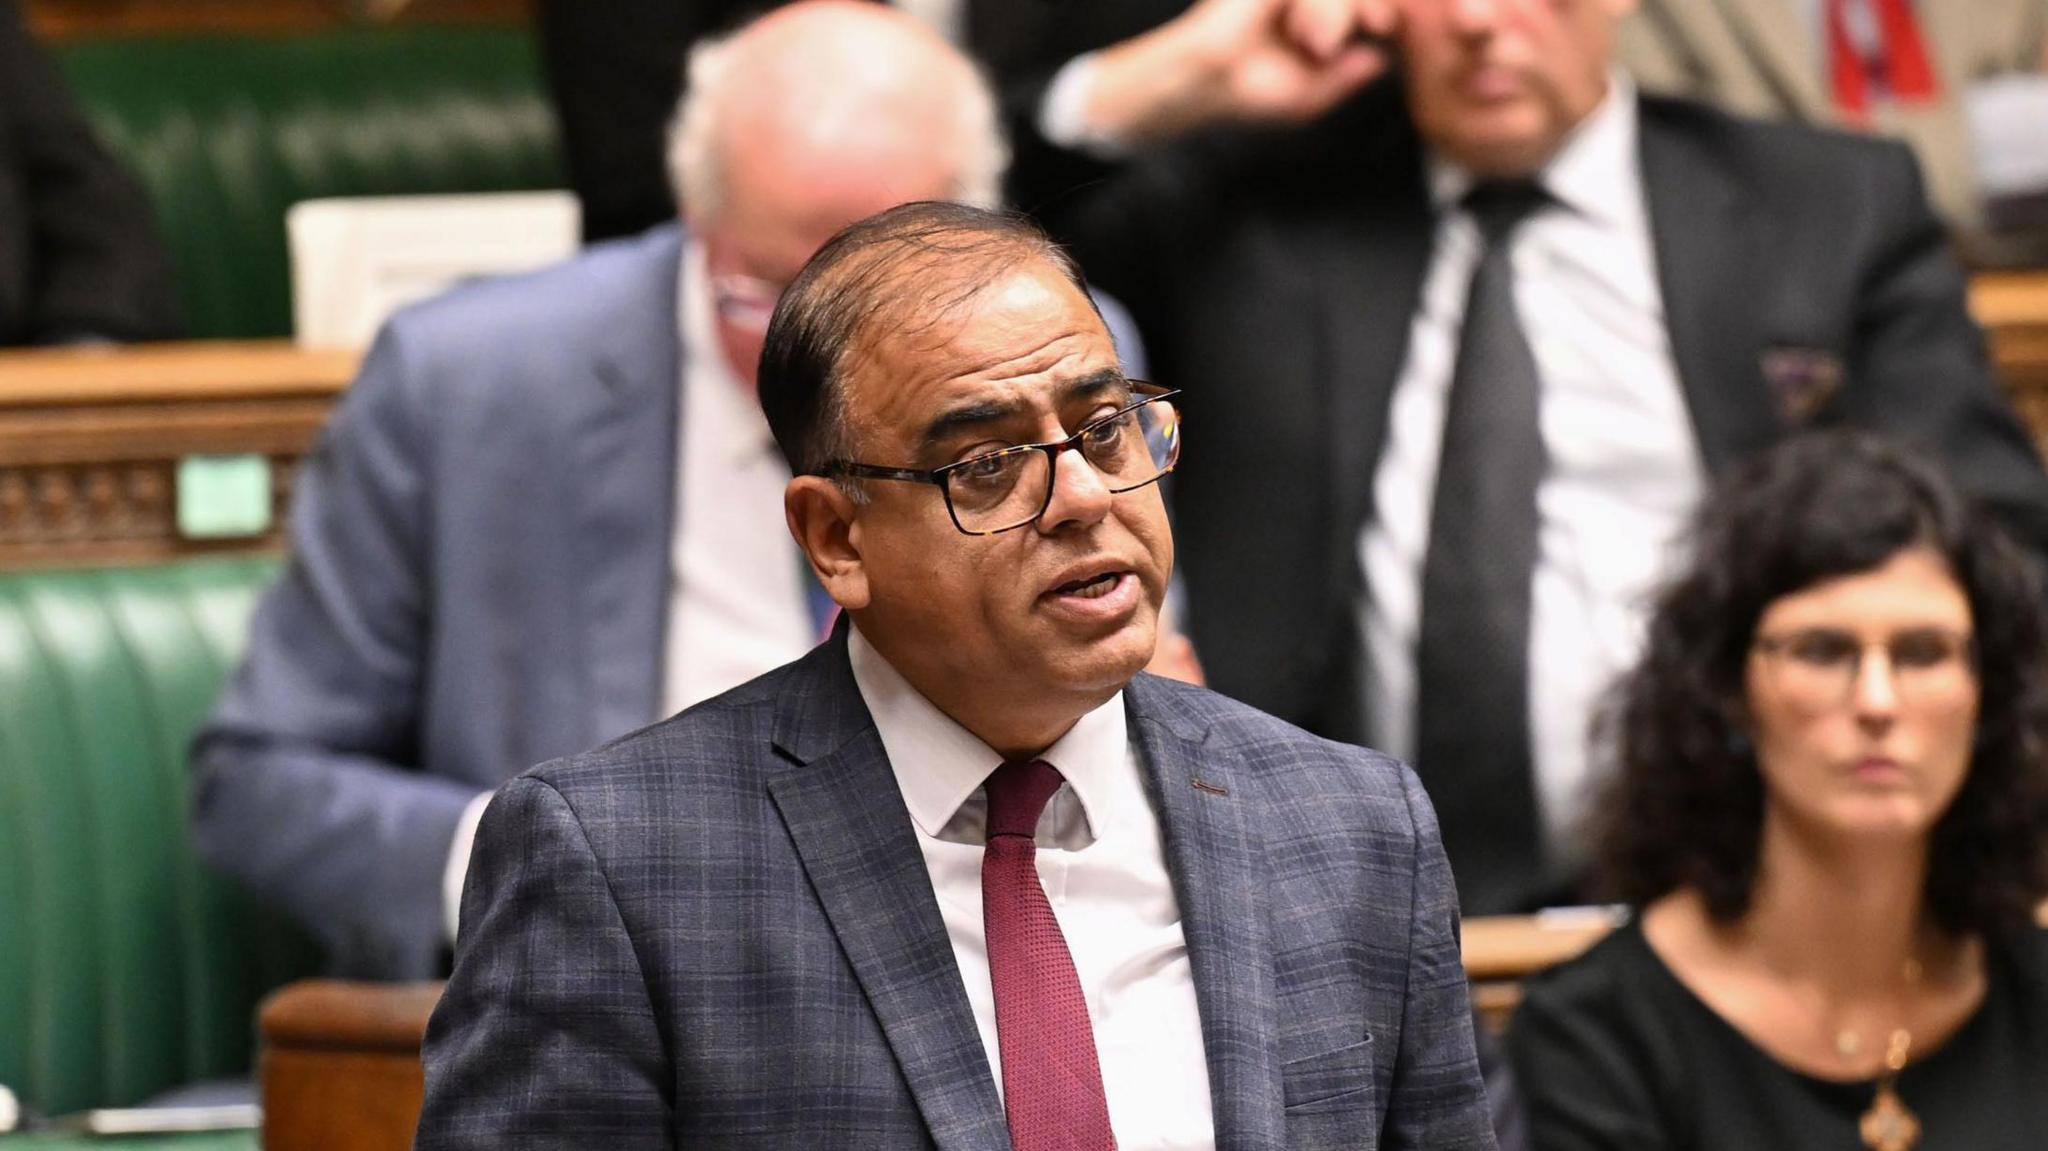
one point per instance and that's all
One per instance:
(1896, 68)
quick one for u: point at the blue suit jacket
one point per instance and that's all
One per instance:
(479, 582)
(720, 932)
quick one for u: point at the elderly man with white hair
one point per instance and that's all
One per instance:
(549, 511)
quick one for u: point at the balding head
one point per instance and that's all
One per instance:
(816, 115)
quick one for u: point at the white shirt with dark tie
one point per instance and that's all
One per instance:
(1103, 866)
(1624, 467)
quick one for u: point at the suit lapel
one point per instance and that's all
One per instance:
(1705, 269)
(1778, 38)
(1215, 854)
(846, 816)
(625, 457)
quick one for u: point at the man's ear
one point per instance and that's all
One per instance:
(821, 517)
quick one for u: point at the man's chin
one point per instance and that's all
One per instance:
(1507, 142)
(1103, 666)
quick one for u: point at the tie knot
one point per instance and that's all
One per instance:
(1017, 794)
(1500, 205)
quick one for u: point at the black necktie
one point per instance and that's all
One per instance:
(1472, 658)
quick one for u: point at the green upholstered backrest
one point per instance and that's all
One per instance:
(124, 969)
(227, 132)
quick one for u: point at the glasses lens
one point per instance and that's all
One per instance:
(1931, 665)
(1816, 669)
(1134, 447)
(999, 490)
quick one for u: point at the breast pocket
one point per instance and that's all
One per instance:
(1335, 1083)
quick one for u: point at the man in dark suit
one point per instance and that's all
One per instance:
(80, 257)
(964, 844)
(1474, 344)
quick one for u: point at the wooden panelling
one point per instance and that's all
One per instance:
(1503, 950)
(2013, 307)
(340, 1065)
(85, 19)
(90, 441)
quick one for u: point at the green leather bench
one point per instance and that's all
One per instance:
(227, 132)
(125, 971)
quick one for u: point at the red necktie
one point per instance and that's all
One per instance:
(1901, 68)
(1052, 1084)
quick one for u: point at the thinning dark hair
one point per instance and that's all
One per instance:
(1684, 804)
(902, 271)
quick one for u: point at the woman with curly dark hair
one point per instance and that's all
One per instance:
(1829, 810)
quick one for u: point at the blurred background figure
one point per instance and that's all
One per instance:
(1830, 809)
(1965, 82)
(1476, 341)
(612, 70)
(80, 257)
(549, 509)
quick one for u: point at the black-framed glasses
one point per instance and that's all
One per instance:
(1005, 489)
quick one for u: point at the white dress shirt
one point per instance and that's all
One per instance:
(737, 600)
(1104, 870)
(1624, 467)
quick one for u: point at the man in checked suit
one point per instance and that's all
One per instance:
(961, 878)
(547, 511)
(1476, 341)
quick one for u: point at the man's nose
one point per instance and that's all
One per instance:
(1080, 496)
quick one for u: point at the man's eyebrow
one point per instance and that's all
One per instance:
(979, 413)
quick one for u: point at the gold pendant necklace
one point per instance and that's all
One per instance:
(1889, 1125)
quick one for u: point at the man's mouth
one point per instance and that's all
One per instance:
(1094, 588)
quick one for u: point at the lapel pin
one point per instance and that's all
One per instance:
(1212, 789)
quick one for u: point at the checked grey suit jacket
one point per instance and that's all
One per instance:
(719, 932)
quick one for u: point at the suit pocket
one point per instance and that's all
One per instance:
(1340, 1080)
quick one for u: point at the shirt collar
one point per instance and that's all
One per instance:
(715, 390)
(939, 765)
(1595, 173)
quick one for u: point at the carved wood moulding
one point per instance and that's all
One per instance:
(114, 513)
(91, 441)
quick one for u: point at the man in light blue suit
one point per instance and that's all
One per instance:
(962, 877)
(549, 509)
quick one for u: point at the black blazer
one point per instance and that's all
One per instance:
(1274, 277)
(80, 257)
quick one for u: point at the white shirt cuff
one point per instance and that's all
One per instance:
(1063, 115)
(458, 863)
